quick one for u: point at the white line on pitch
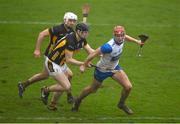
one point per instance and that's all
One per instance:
(100, 24)
(100, 118)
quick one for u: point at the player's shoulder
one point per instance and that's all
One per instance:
(71, 38)
(58, 28)
(106, 48)
(70, 41)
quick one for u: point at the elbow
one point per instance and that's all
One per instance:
(68, 61)
(41, 34)
(92, 51)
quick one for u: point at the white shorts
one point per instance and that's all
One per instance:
(53, 68)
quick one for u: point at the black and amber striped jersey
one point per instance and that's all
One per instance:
(56, 33)
(70, 43)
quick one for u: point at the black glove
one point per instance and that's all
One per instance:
(143, 37)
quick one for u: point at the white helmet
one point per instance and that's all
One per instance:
(70, 15)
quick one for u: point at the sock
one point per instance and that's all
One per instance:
(53, 103)
(69, 94)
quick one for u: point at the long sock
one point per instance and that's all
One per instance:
(53, 103)
(47, 89)
(69, 94)
(123, 98)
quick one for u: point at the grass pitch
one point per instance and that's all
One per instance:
(155, 75)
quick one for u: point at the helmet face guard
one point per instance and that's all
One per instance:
(119, 33)
(82, 30)
(82, 27)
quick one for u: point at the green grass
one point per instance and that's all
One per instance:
(155, 76)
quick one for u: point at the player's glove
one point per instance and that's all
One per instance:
(143, 38)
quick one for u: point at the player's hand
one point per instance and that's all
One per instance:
(82, 68)
(143, 38)
(89, 65)
(37, 53)
(141, 43)
(85, 9)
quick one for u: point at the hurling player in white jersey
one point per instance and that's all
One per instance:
(111, 52)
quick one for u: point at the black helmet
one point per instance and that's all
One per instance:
(82, 27)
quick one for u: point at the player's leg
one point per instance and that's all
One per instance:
(57, 72)
(97, 82)
(69, 74)
(123, 80)
(56, 95)
(62, 85)
(37, 77)
(85, 92)
(54, 101)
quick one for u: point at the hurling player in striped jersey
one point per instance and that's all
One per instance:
(54, 33)
(62, 53)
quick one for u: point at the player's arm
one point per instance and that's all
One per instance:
(91, 56)
(104, 49)
(88, 48)
(39, 41)
(129, 38)
(69, 58)
(88, 60)
(85, 12)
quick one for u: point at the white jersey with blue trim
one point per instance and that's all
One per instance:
(111, 54)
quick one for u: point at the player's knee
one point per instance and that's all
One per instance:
(44, 75)
(67, 87)
(128, 87)
(94, 89)
(71, 75)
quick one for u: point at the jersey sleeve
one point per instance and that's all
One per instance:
(55, 30)
(106, 48)
(70, 46)
(85, 42)
(50, 31)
